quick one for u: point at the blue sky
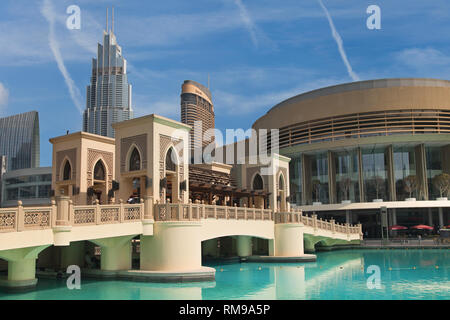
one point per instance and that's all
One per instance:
(257, 52)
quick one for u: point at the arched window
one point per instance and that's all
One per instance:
(99, 171)
(67, 175)
(258, 182)
(135, 160)
(170, 163)
(281, 182)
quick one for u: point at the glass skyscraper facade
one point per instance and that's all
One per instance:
(108, 97)
(19, 140)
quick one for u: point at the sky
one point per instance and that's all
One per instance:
(256, 52)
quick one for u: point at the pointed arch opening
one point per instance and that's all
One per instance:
(258, 183)
(281, 193)
(171, 160)
(99, 171)
(281, 182)
(67, 171)
(172, 188)
(134, 163)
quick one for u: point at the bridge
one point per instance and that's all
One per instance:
(171, 236)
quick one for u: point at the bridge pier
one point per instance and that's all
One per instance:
(21, 268)
(115, 253)
(289, 240)
(244, 246)
(174, 246)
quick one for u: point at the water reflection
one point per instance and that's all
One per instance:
(405, 274)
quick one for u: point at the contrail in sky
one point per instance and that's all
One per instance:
(249, 24)
(49, 15)
(340, 44)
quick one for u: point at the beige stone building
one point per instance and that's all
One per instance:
(83, 167)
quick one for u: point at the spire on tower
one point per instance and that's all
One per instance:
(112, 19)
(107, 17)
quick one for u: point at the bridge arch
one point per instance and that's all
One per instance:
(212, 229)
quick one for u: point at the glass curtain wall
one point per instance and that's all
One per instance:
(295, 172)
(319, 175)
(347, 175)
(404, 170)
(375, 174)
(434, 168)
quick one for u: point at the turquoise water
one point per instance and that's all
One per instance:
(404, 274)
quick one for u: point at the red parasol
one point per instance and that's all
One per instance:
(397, 227)
(422, 227)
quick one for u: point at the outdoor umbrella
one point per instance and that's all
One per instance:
(422, 227)
(397, 227)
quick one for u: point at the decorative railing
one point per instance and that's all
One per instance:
(105, 214)
(8, 220)
(84, 215)
(35, 218)
(197, 211)
(30, 218)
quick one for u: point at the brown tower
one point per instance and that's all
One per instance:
(196, 105)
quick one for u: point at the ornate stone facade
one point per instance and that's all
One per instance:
(70, 154)
(250, 175)
(141, 142)
(164, 143)
(107, 158)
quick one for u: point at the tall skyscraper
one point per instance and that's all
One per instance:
(108, 98)
(196, 105)
(19, 140)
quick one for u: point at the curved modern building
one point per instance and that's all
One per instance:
(19, 140)
(362, 142)
(31, 186)
(196, 105)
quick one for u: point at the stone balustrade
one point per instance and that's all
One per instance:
(198, 211)
(37, 218)
(34, 218)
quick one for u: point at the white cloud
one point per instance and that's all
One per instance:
(339, 43)
(230, 103)
(166, 106)
(422, 57)
(247, 20)
(48, 13)
(4, 96)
